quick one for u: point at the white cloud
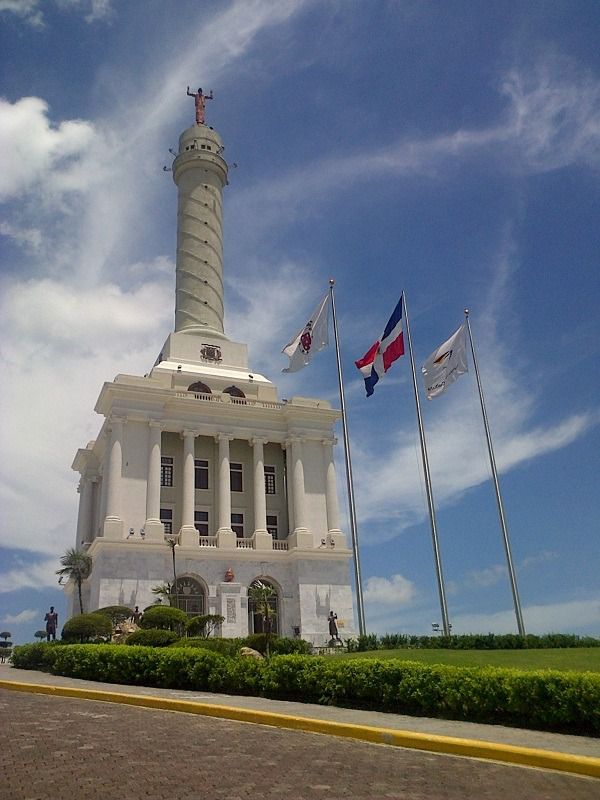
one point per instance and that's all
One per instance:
(552, 618)
(394, 591)
(23, 616)
(33, 152)
(28, 238)
(59, 346)
(30, 576)
(26, 9)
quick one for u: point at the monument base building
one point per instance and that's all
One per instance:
(200, 476)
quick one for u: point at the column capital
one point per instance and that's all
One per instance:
(294, 438)
(186, 433)
(257, 440)
(331, 441)
(221, 437)
(116, 419)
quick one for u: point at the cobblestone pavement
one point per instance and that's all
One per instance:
(61, 747)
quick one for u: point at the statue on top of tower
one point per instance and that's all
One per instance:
(200, 101)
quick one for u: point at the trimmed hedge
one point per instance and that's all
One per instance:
(470, 641)
(152, 637)
(566, 702)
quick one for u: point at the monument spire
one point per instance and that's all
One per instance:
(200, 173)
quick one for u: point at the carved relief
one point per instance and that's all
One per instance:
(231, 610)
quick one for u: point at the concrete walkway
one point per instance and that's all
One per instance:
(534, 748)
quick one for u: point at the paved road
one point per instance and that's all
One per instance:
(84, 750)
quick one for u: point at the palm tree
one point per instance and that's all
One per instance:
(263, 597)
(77, 565)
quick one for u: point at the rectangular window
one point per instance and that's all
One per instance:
(201, 522)
(166, 517)
(166, 471)
(237, 525)
(270, 484)
(235, 477)
(200, 473)
(272, 526)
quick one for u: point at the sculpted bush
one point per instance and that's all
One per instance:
(86, 627)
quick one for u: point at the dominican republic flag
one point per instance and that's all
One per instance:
(380, 357)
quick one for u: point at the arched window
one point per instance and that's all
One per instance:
(234, 391)
(190, 596)
(263, 607)
(199, 388)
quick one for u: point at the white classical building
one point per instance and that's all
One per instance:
(200, 471)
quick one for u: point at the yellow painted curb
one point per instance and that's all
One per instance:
(434, 743)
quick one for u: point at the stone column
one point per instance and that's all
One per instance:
(262, 538)
(301, 536)
(331, 497)
(226, 538)
(113, 524)
(287, 446)
(188, 535)
(153, 527)
(84, 516)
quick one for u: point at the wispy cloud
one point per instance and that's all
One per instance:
(23, 616)
(29, 576)
(394, 591)
(551, 618)
(27, 10)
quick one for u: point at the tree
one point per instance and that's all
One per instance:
(84, 627)
(262, 596)
(165, 591)
(41, 635)
(76, 565)
(6, 635)
(203, 625)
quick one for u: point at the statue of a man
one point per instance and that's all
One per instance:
(200, 101)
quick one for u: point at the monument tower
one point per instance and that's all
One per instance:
(200, 453)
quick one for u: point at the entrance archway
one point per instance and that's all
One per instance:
(190, 596)
(258, 617)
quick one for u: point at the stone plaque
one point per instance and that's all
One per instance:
(211, 352)
(231, 610)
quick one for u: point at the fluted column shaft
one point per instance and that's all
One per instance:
(115, 466)
(300, 518)
(331, 497)
(187, 518)
(260, 500)
(84, 517)
(153, 485)
(224, 483)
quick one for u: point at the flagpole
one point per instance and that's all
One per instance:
(434, 536)
(509, 561)
(353, 527)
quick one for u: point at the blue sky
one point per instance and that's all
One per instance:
(448, 149)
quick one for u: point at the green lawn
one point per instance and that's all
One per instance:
(580, 659)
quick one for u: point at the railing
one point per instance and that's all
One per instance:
(245, 544)
(279, 545)
(219, 398)
(208, 541)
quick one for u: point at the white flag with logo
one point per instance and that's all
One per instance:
(311, 338)
(445, 364)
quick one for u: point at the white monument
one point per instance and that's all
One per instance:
(200, 472)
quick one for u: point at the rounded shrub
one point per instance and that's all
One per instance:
(152, 637)
(164, 617)
(87, 627)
